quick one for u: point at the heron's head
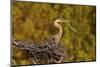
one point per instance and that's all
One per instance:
(59, 20)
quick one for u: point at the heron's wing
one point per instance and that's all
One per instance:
(51, 40)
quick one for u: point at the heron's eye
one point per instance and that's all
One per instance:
(59, 22)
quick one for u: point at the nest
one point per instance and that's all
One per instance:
(47, 52)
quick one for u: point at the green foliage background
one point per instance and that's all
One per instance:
(34, 21)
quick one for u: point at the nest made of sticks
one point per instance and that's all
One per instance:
(47, 52)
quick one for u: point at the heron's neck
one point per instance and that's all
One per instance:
(59, 34)
(60, 31)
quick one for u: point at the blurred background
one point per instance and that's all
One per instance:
(34, 21)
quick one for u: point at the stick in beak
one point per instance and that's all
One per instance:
(70, 26)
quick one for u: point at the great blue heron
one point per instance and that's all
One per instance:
(57, 24)
(51, 50)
